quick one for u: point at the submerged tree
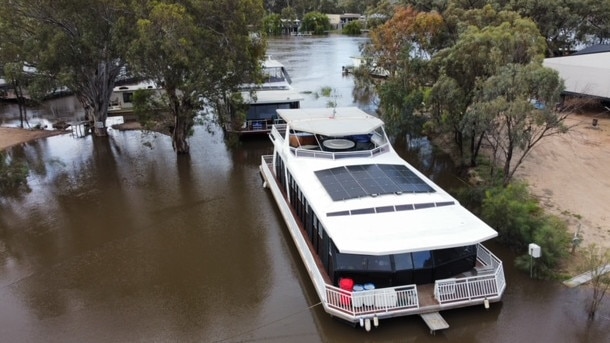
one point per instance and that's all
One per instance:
(81, 44)
(198, 51)
(597, 263)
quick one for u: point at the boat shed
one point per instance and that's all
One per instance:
(586, 72)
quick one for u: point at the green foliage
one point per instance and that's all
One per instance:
(352, 28)
(553, 238)
(512, 212)
(200, 52)
(331, 94)
(315, 22)
(272, 24)
(148, 107)
(502, 110)
(519, 220)
(82, 47)
(13, 175)
(288, 13)
(401, 99)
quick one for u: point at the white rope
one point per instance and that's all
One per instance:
(268, 324)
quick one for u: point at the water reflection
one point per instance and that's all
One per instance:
(316, 62)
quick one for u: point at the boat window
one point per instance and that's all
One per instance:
(350, 262)
(275, 74)
(443, 256)
(422, 259)
(127, 97)
(379, 263)
(266, 111)
(363, 262)
(403, 261)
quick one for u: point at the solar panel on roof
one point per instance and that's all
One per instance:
(349, 182)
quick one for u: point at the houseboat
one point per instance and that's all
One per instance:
(121, 99)
(377, 237)
(260, 101)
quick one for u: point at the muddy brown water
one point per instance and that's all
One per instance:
(121, 241)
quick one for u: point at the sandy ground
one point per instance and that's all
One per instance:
(13, 136)
(566, 172)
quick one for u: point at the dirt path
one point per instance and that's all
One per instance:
(13, 136)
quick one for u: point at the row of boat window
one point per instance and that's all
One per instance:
(321, 243)
(406, 261)
(440, 263)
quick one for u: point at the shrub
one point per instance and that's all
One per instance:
(352, 28)
(512, 212)
(553, 238)
(519, 220)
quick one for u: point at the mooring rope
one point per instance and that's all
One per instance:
(268, 324)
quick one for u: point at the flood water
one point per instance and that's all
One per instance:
(119, 240)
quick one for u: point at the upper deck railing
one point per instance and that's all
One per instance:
(278, 132)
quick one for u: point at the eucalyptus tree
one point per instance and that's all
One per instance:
(198, 51)
(316, 22)
(559, 21)
(402, 47)
(28, 86)
(272, 24)
(81, 44)
(596, 26)
(479, 53)
(511, 124)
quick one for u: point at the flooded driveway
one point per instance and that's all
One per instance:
(121, 241)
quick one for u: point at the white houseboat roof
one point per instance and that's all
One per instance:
(333, 122)
(391, 222)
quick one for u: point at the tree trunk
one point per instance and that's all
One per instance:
(94, 94)
(180, 134)
(182, 108)
(20, 103)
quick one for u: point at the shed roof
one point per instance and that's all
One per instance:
(586, 73)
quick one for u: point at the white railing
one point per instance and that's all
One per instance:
(371, 302)
(257, 125)
(300, 152)
(490, 284)
(279, 130)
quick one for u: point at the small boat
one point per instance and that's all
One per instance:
(378, 238)
(300, 34)
(260, 101)
(121, 99)
(373, 69)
